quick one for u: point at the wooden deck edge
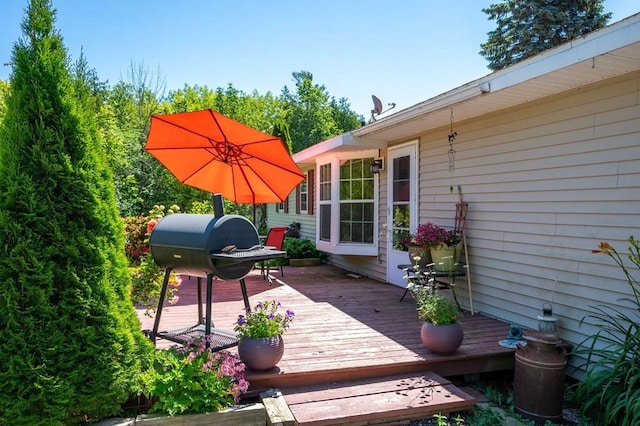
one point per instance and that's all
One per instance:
(262, 381)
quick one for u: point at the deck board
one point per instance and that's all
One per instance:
(378, 399)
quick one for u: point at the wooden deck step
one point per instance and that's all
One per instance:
(377, 400)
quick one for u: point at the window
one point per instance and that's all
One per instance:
(325, 202)
(347, 206)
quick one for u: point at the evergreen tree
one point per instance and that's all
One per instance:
(71, 345)
(528, 27)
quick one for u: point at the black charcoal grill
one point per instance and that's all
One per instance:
(206, 246)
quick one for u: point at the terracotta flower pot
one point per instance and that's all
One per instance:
(261, 354)
(442, 339)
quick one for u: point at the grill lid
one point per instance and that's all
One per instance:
(186, 242)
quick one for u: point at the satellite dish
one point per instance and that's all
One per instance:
(377, 105)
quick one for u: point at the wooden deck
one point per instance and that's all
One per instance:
(346, 329)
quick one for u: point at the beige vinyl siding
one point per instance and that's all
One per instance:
(545, 183)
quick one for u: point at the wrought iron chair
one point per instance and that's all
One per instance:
(274, 240)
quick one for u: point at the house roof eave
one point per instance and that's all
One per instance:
(345, 142)
(602, 54)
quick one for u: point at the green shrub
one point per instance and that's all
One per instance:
(192, 379)
(610, 391)
(300, 248)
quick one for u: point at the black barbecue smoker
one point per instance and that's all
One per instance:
(206, 246)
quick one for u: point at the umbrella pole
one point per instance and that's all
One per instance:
(254, 216)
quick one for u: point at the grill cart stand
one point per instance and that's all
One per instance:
(218, 339)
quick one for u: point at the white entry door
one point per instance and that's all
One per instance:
(402, 211)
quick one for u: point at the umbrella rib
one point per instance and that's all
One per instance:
(271, 188)
(226, 139)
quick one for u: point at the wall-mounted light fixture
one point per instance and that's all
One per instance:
(376, 166)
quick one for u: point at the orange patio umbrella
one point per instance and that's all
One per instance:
(209, 151)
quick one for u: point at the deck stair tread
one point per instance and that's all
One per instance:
(378, 400)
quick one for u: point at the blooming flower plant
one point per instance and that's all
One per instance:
(263, 321)
(193, 379)
(429, 234)
(432, 306)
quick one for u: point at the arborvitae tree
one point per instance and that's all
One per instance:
(70, 342)
(528, 27)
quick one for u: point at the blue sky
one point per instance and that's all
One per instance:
(403, 51)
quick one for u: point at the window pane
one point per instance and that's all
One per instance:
(368, 233)
(345, 169)
(325, 182)
(345, 190)
(356, 190)
(345, 232)
(367, 189)
(401, 223)
(401, 184)
(325, 222)
(356, 169)
(356, 212)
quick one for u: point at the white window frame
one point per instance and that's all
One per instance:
(334, 245)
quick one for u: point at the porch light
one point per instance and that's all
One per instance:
(547, 322)
(376, 166)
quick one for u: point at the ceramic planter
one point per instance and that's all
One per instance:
(422, 252)
(261, 354)
(446, 258)
(442, 339)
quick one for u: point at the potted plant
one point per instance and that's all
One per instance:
(260, 331)
(419, 244)
(441, 332)
(445, 246)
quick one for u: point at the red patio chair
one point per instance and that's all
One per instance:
(275, 240)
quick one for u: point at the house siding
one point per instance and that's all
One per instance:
(545, 183)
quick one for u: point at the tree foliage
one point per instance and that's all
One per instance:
(71, 346)
(528, 27)
(312, 115)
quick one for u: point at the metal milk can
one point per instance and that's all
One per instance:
(539, 375)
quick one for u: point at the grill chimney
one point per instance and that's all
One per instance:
(218, 205)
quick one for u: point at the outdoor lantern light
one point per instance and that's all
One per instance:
(376, 166)
(547, 322)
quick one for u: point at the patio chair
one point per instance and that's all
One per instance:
(274, 240)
